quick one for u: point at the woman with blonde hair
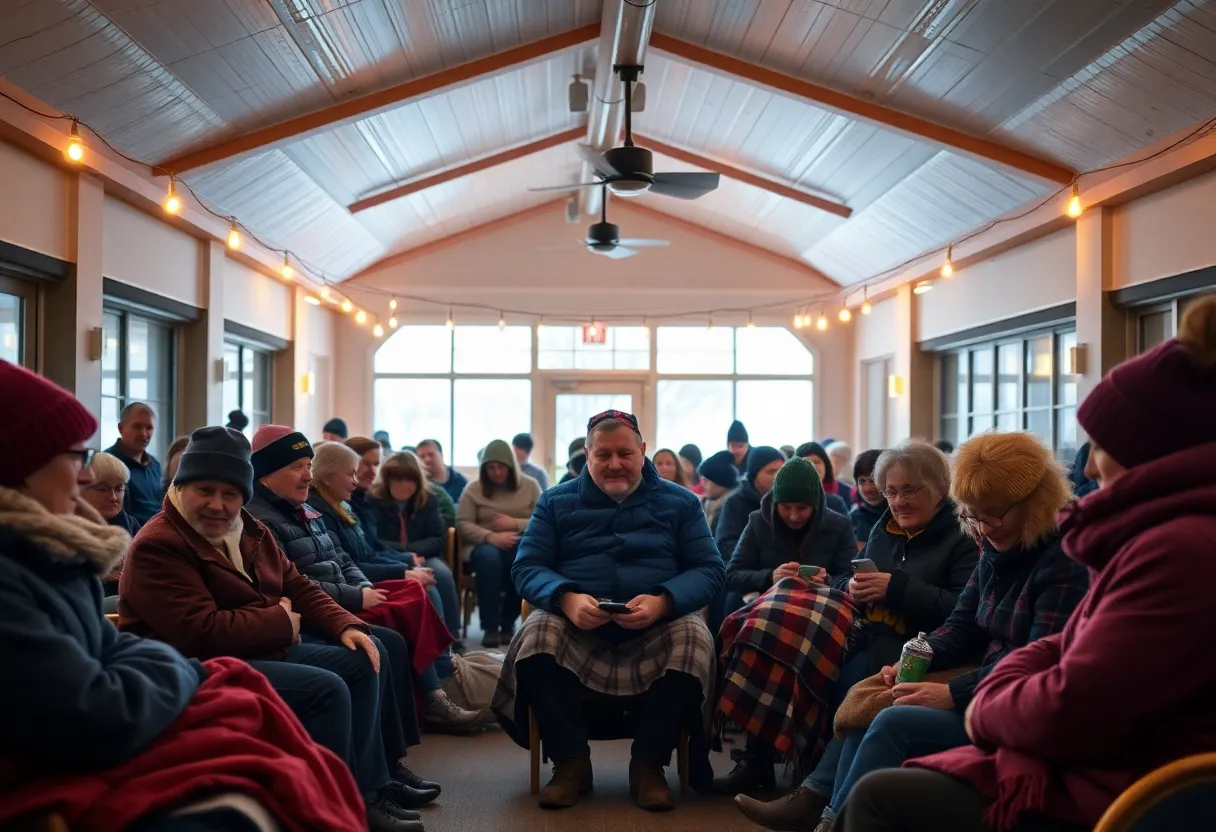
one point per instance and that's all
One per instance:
(108, 490)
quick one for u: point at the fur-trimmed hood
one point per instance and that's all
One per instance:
(84, 534)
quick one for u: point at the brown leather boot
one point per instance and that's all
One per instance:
(798, 811)
(648, 786)
(570, 779)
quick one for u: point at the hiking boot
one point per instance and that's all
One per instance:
(825, 825)
(442, 714)
(748, 775)
(382, 816)
(798, 811)
(648, 786)
(491, 638)
(571, 778)
(402, 774)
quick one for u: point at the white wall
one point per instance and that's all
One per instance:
(141, 250)
(1164, 234)
(1037, 275)
(256, 300)
(34, 204)
(876, 332)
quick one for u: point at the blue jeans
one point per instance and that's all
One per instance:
(898, 733)
(445, 588)
(496, 595)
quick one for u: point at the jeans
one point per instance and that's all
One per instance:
(919, 800)
(212, 820)
(898, 733)
(856, 667)
(400, 713)
(556, 696)
(353, 726)
(496, 595)
(445, 588)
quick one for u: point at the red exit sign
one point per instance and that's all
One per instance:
(595, 333)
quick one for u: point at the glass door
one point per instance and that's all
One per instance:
(572, 404)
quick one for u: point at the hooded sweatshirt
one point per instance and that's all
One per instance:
(476, 510)
(767, 542)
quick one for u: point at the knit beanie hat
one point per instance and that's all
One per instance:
(220, 454)
(336, 427)
(737, 432)
(720, 469)
(760, 456)
(1163, 401)
(275, 447)
(797, 482)
(41, 421)
(692, 453)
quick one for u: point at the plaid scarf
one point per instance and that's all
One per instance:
(781, 655)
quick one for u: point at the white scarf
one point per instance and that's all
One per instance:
(229, 544)
(65, 536)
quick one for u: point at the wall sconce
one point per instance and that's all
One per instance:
(95, 344)
(308, 384)
(895, 386)
(1077, 360)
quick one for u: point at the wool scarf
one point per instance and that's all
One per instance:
(66, 536)
(229, 544)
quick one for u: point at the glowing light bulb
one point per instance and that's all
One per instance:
(948, 266)
(711, 323)
(392, 322)
(866, 308)
(541, 324)
(74, 152)
(798, 321)
(451, 320)
(313, 300)
(347, 305)
(821, 323)
(1075, 208)
(845, 315)
(922, 287)
(750, 323)
(287, 271)
(392, 305)
(234, 236)
(378, 331)
(502, 322)
(360, 317)
(324, 293)
(172, 203)
(593, 331)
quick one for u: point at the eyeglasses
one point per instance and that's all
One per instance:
(992, 522)
(85, 455)
(908, 492)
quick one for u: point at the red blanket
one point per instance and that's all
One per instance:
(411, 613)
(236, 735)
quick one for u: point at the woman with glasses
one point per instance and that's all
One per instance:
(922, 560)
(106, 494)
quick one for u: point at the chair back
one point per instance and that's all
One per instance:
(1172, 791)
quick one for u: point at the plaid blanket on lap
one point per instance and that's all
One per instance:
(780, 655)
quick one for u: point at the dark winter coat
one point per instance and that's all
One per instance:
(404, 529)
(454, 485)
(767, 543)
(864, 517)
(733, 516)
(145, 489)
(836, 503)
(376, 564)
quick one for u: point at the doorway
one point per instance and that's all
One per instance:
(571, 403)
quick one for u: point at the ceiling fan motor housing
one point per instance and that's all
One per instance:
(636, 168)
(603, 235)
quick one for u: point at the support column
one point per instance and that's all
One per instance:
(1101, 328)
(304, 386)
(71, 348)
(914, 408)
(201, 368)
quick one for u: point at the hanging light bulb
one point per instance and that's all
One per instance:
(74, 152)
(172, 203)
(502, 322)
(711, 323)
(922, 287)
(360, 317)
(392, 322)
(234, 234)
(312, 299)
(392, 305)
(798, 320)
(378, 331)
(541, 324)
(948, 266)
(845, 315)
(750, 323)
(451, 319)
(325, 292)
(821, 323)
(347, 306)
(593, 330)
(1075, 208)
(287, 271)
(866, 309)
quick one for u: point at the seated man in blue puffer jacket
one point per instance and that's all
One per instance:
(617, 533)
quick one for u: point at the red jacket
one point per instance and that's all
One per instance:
(236, 735)
(178, 588)
(1066, 723)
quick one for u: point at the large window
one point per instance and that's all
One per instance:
(137, 365)
(1016, 384)
(759, 375)
(247, 385)
(463, 386)
(17, 301)
(562, 348)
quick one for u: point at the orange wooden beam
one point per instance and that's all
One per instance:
(368, 104)
(868, 110)
(424, 182)
(753, 179)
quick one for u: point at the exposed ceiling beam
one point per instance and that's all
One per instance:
(747, 177)
(394, 96)
(986, 149)
(484, 163)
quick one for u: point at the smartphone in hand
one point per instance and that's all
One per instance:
(861, 565)
(615, 607)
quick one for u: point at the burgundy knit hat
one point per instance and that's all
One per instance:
(41, 421)
(1161, 402)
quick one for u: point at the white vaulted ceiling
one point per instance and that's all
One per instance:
(1078, 83)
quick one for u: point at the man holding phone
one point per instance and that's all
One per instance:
(617, 563)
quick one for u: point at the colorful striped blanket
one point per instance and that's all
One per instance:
(781, 655)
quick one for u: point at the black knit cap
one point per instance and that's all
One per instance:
(692, 453)
(720, 469)
(737, 432)
(277, 446)
(336, 427)
(219, 454)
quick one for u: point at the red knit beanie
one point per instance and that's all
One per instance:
(41, 420)
(1163, 401)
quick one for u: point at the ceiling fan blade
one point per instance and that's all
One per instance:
(573, 186)
(684, 185)
(643, 243)
(617, 252)
(597, 160)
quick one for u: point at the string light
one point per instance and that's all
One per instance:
(312, 299)
(392, 305)
(172, 203)
(451, 319)
(821, 323)
(948, 266)
(74, 152)
(866, 308)
(325, 292)
(392, 322)
(711, 323)
(347, 305)
(234, 234)
(360, 317)
(378, 331)
(541, 324)
(593, 330)
(287, 271)
(798, 321)
(922, 286)
(1075, 208)
(502, 322)
(750, 323)
(845, 315)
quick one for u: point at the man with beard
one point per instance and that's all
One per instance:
(207, 578)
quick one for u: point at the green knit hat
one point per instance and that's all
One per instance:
(797, 481)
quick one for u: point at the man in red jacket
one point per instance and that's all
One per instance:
(207, 578)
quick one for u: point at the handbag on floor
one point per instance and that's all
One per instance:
(474, 677)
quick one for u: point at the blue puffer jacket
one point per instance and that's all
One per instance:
(582, 540)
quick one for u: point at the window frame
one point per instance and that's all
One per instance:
(259, 352)
(166, 411)
(27, 337)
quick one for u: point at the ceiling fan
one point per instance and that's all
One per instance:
(629, 170)
(604, 238)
